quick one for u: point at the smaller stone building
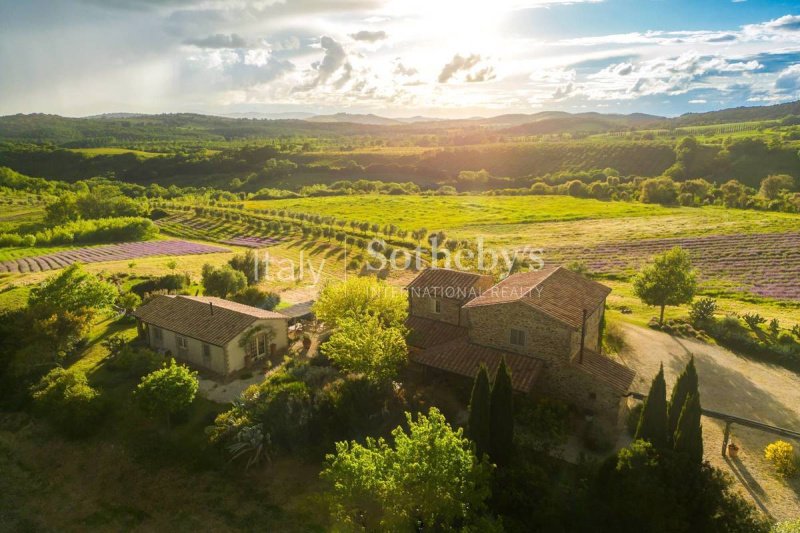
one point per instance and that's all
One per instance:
(211, 333)
(546, 324)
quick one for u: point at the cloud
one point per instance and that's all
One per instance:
(335, 58)
(458, 64)
(219, 40)
(698, 101)
(788, 81)
(369, 36)
(484, 74)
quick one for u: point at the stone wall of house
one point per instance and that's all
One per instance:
(569, 383)
(592, 332)
(545, 337)
(422, 306)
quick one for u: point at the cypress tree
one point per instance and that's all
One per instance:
(653, 421)
(685, 385)
(502, 416)
(479, 412)
(689, 436)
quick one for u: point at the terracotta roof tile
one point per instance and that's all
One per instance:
(451, 284)
(192, 316)
(424, 333)
(603, 367)
(556, 292)
(461, 357)
(447, 347)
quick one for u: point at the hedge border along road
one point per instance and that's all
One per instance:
(766, 264)
(110, 252)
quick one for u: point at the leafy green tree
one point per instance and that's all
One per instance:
(167, 391)
(478, 427)
(653, 421)
(502, 416)
(129, 302)
(686, 384)
(429, 478)
(689, 435)
(222, 281)
(72, 290)
(659, 191)
(361, 296)
(668, 280)
(258, 298)
(66, 399)
(364, 345)
(250, 265)
(771, 186)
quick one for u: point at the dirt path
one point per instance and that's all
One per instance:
(736, 385)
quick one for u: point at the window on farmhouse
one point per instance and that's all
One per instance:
(261, 345)
(157, 334)
(517, 337)
(183, 342)
(437, 306)
(206, 352)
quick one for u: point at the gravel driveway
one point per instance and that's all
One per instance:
(735, 385)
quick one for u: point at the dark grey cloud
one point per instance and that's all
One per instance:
(219, 40)
(369, 36)
(457, 64)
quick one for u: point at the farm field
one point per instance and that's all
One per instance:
(111, 252)
(217, 230)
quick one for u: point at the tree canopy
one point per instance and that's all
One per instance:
(653, 422)
(222, 281)
(668, 280)
(361, 296)
(429, 477)
(365, 345)
(168, 390)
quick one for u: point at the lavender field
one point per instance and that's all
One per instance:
(761, 264)
(111, 252)
(217, 230)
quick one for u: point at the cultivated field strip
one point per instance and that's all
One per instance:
(765, 264)
(218, 230)
(111, 252)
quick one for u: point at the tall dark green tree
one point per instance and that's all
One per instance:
(653, 421)
(689, 435)
(479, 412)
(502, 417)
(685, 385)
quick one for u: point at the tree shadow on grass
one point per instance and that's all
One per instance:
(742, 396)
(752, 486)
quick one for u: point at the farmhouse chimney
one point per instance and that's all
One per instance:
(211, 306)
(583, 337)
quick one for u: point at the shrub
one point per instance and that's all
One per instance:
(792, 526)
(167, 391)
(702, 311)
(68, 401)
(780, 454)
(754, 320)
(136, 361)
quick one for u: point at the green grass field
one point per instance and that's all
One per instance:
(91, 152)
(538, 220)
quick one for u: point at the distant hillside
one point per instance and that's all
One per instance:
(738, 114)
(582, 123)
(354, 119)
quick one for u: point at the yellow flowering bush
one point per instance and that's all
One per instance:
(781, 455)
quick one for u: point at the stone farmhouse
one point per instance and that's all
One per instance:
(545, 323)
(210, 333)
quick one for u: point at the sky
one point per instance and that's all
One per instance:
(396, 58)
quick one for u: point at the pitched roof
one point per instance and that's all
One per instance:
(451, 284)
(617, 375)
(447, 347)
(424, 333)
(557, 292)
(205, 318)
(299, 310)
